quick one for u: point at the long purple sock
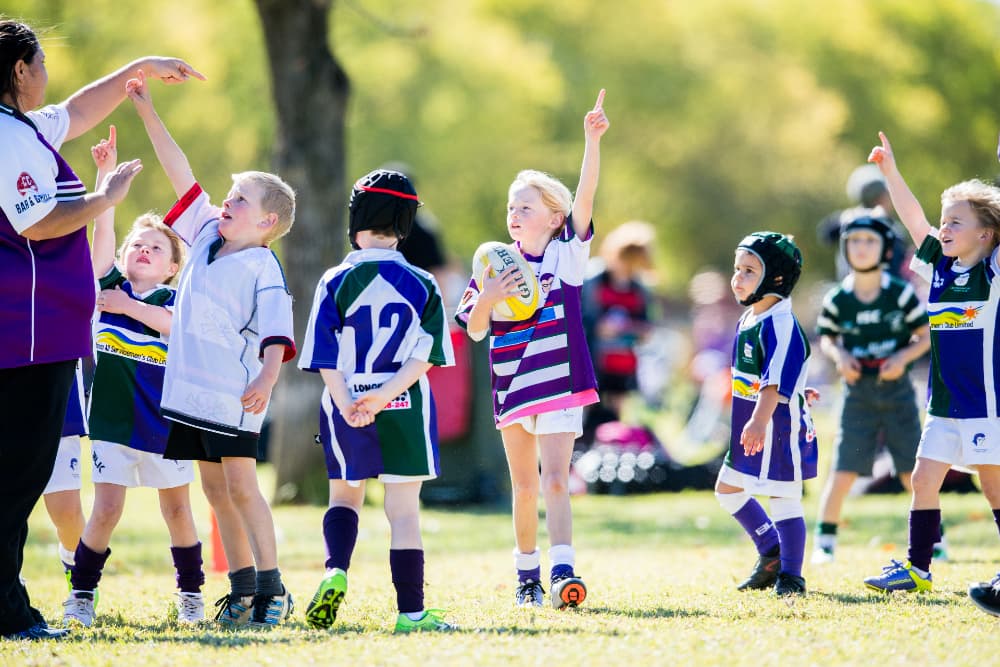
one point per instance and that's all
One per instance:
(524, 576)
(925, 530)
(758, 526)
(996, 518)
(88, 567)
(187, 562)
(792, 535)
(340, 531)
(407, 567)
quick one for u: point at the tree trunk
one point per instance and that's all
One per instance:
(310, 92)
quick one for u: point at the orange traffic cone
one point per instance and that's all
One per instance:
(219, 562)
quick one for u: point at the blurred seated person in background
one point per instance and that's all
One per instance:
(617, 315)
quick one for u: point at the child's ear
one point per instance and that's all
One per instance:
(270, 220)
(557, 219)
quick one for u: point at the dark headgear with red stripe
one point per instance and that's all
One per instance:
(384, 202)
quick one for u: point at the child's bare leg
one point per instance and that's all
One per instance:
(522, 459)
(928, 476)
(109, 501)
(989, 478)
(402, 508)
(838, 485)
(66, 513)
(175, 506)
(556, 452)
(244, 493)
(235, 542)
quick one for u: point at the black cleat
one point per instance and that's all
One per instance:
(764, 574)
(986, 595)
(789, 584)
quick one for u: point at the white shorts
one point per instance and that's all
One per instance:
(568, 420)
(66, 473)
(961, 442)
(124, 466)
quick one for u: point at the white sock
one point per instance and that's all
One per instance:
(414, 615)
(528, 561)
(66, 556)
(562, 554)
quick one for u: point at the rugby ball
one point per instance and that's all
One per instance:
(499, 256)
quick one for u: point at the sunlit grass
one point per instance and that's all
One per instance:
(660, 569)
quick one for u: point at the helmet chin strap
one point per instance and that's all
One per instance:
(876, 267)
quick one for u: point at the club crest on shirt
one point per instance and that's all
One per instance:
(26, 184)
(962, 280)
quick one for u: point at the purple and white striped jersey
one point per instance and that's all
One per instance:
(542, 364)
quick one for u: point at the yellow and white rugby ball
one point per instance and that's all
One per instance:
(499, 256)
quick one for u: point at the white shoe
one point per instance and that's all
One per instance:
(79, 608)
(821, 556)
(190, 608)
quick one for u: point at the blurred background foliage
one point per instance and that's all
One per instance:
(727, 116)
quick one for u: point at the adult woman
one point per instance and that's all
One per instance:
(49, 293)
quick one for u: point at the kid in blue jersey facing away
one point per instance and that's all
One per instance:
(232, 331)
(959, 260)
(541, 370)
(773, 445)
(127, 433)
(872, 327)
(377, 325)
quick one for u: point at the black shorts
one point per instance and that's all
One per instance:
(189, 443)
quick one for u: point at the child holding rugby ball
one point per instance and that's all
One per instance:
(542, 375)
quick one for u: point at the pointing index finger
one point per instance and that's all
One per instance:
(600, 101)
(113, 137)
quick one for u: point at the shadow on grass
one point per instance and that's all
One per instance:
(658, 612)
(870, 598)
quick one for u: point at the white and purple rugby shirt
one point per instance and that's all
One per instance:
(48, 293)
(542, 364)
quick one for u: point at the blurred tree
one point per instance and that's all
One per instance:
(309, 90)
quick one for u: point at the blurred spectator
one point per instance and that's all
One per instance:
(617, 314)
(869, 195)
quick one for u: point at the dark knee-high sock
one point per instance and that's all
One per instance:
(407, 567)
(792, 534)
(758, 526)
(340, 532)
(996, 518)
(243, 583)
(188, 563)
(925, 530)
(87, 570)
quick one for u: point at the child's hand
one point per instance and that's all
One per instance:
(105, 153)
(369, 404)
(595, 123)
(892, 368)
(114, 301)
(137, 90)
(812, 396)
(752, 437)
(883, 156)
(499, 287)
(848, 367)
(258, 393)
(358, 418)
(116, 184)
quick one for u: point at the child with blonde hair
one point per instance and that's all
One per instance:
(959, 260)
(128, 435)
(542, 374)
(233, 332)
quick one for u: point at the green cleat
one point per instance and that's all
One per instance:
(322, 611)
(433, 619)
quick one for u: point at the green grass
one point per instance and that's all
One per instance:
(660, 569)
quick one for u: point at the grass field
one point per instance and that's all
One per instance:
(660, 569)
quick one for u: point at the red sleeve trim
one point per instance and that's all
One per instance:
(289, 344)
(182, 205)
